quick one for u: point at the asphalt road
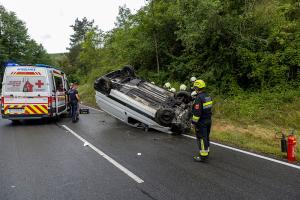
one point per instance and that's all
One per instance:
(43, 161)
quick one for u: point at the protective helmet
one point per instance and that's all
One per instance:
(199, 84)
(182, 87)
(193, 79)
(152, 83)
(167, 85)
(194, 93)
(172, 90)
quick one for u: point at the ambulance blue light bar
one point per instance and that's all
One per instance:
(47, 66)
(10, 64)
(43, 65)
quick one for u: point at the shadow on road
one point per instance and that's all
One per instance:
(34, 122)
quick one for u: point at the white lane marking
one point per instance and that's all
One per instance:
(238, 150)
(109, 159)
(249, 153)
(92, 108)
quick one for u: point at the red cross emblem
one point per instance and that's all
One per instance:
(39, 83)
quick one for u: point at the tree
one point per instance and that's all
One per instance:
(15, 43)
(89, 56)
(123, 16)
(80, 28)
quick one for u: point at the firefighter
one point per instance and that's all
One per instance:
(192, 80)
(172, 90)
(201, 119)
(74, 99)
(69, 102)
(194, 95)
(182, 87)
(167, 85)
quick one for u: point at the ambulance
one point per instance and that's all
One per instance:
(33, 92)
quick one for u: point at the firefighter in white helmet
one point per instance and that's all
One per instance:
(194, 95)
(167, 85)
(172, 90)
(192, 80)
(182, 87)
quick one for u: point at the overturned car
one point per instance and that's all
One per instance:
(142, 104)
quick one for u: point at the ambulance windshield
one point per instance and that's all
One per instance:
(25, 84)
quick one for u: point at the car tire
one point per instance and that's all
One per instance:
(165, 116)
(128, 71)
(183, 97)
(103, 85)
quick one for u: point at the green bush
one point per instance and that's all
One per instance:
(272, 108)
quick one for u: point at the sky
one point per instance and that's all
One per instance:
(48, 21)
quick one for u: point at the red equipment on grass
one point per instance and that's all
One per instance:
(291, 147)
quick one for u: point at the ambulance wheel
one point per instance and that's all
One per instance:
(57, 118)
(15, 121)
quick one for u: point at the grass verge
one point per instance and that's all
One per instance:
(87, 94)
(254, 138)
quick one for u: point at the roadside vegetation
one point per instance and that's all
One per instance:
(246, 51)
(16, 44)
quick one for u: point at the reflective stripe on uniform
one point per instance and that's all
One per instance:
(203, 152)
(207, 105)
(195, 118)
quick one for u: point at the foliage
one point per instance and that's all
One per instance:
(15, 43)
(80, 28)
(273, 108)
(234, 45)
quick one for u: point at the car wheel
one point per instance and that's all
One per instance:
(128, 71)
(165, 116)
(183, 97)
(103, 85)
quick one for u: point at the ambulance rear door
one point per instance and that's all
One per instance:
(26, 91)
(60, 92)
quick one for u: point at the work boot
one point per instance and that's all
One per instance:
(200, 158)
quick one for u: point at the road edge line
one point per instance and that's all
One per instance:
(109, 159)
(249, 153)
